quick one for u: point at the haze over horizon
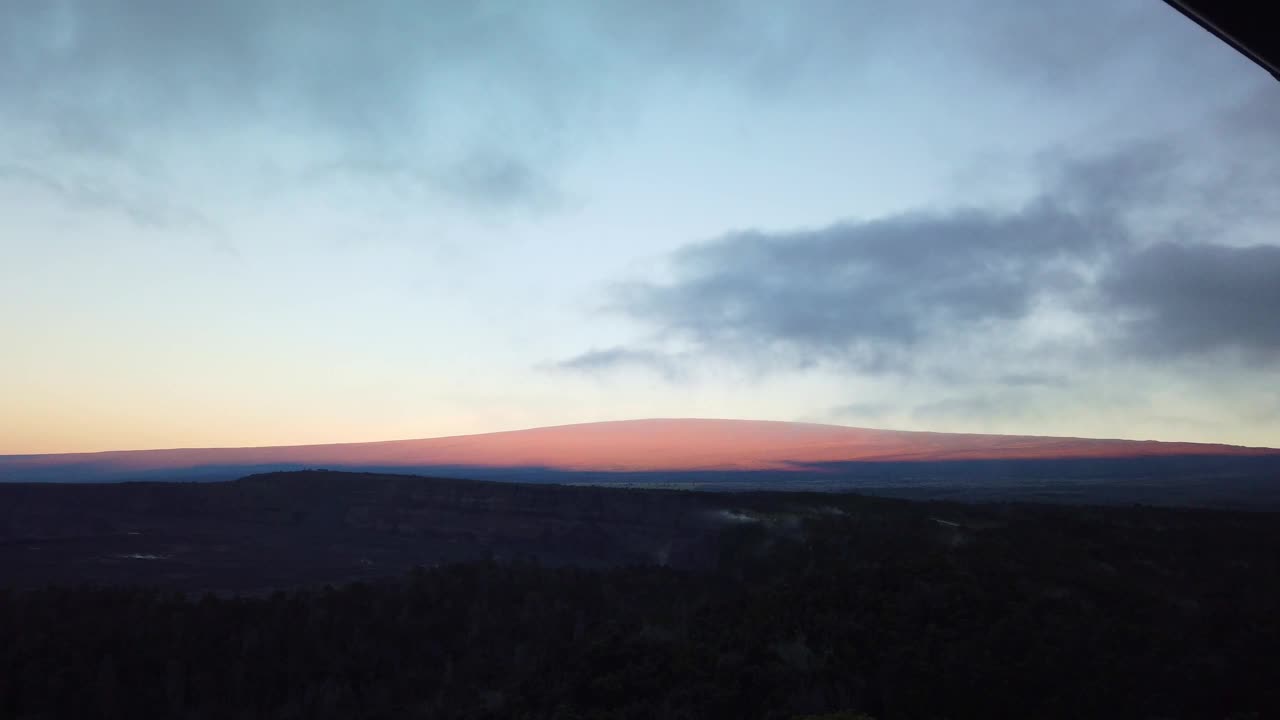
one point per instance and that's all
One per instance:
(255, 224)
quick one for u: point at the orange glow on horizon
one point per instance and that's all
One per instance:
(648, 446)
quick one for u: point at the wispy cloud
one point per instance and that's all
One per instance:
(480, 102)
(618, 358)
(101, 195)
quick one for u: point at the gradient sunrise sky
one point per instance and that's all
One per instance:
(268, 222)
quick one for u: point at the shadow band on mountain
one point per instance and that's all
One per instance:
(1222, 481)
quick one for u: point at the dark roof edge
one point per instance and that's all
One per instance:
(1229, 32)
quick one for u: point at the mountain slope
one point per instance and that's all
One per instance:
(633, 446)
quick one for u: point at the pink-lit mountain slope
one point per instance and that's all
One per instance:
(661, 445)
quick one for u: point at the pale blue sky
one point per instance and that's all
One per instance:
(253, 223)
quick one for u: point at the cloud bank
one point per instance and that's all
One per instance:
(1161, 251)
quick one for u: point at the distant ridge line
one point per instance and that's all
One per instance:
(622, 446)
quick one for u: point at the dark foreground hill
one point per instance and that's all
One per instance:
(553, 602)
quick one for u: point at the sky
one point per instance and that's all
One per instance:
(265, 222)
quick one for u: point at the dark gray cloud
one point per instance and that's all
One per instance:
(1130, 243)
(870, 294)
(1178, 300)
